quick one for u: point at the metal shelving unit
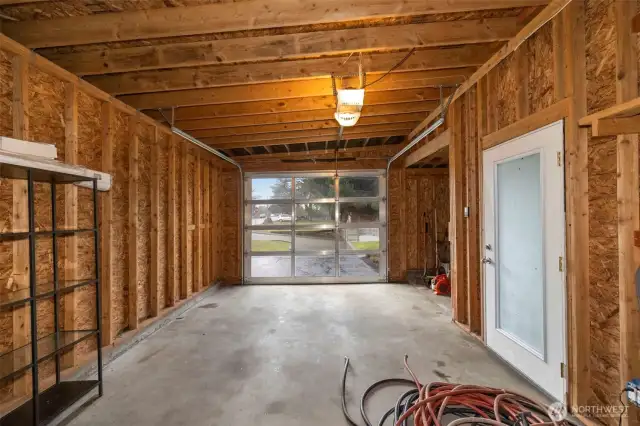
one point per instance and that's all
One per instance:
(45, 406)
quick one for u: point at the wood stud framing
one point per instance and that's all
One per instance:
(134, 176)
(628, 201)
(154, 307)
(106, 227)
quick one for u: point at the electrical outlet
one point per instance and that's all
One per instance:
(633, 394)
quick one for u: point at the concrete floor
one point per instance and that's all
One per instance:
(273, 356)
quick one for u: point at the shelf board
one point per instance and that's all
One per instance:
(43, 291)
(623, 118)
(19, 360)
(52, 403)
(13, 171)
(23, 235)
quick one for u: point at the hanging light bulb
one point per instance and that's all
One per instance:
(350, 102)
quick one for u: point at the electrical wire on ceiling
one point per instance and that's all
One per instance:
(427, 405)
(396, 66)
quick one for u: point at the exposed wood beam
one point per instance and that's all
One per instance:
(552, 9)
(330, 123)
(313, 94)
(106, 227)
(250, 140)
(320, 138)
(304, 166)
(549, 115)
(19, 2)
(206, 215)
(431, 147)
(616, 126)
(21, 318)
(197, 219)
(154, 188)
(628, 108)
(222, 75)
(185, 289)
(225, 17)
(372, 151)
(260, 115)
(278, 47)
(70, 215)
(573, 68)
(627, 201)
(134, 176)
(171, 294)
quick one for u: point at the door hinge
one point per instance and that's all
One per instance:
(560, 264)
(559, 159)
(563, 370)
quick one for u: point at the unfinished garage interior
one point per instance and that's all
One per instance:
(285, 212)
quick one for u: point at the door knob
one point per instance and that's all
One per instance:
(487, 260)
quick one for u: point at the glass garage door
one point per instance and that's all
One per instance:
(315, 228)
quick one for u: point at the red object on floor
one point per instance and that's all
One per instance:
(442, 286)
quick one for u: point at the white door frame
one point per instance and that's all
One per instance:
(545, 139)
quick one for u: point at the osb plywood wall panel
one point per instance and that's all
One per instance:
(163, 204)
(230, 243)
(539, 50)
(505, 90)
(603, 248)
(146, 138)
(120, 225)
(47, 114)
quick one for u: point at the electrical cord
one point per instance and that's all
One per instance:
(427, 405)
(624, 410)
(393, 68)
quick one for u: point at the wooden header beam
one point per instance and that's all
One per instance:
(552, 9)
(431, 147)
(225, 17)
(223, 75)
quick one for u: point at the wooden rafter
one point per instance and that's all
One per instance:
(274, 97)
(372, 151)
(221, 75)
(259, 119)
(258, 139)
(278, 47)
(330, 123)
(279, 140)
(225, 17)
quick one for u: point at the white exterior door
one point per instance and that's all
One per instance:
(524, 223)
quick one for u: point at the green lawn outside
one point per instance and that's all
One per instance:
(268, 245)
(366, 245)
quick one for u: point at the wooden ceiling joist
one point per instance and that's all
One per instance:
(287, 138)
(223, 75)
(374, 151)
(226, 17)
(107, 60)
(303, 92)
(258, 117)
(330, 123)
